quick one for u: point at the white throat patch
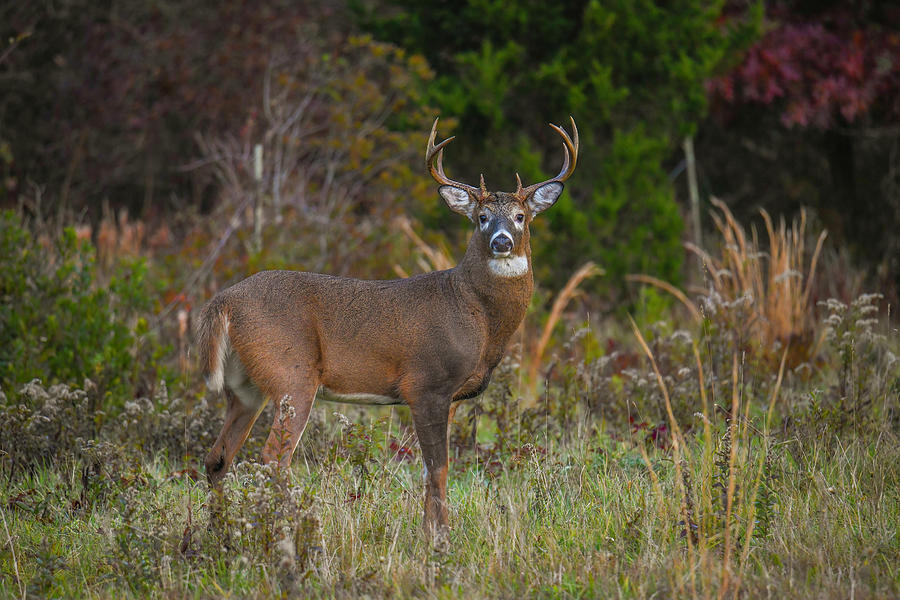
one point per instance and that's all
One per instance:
(510, 266)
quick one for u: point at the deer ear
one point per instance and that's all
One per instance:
(544, 197)
(458, 200)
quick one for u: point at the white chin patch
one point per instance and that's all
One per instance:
(510, 266)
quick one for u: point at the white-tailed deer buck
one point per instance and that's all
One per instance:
(428, 341)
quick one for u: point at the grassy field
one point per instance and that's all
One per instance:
(797, 495)
(593, 519)
(749, 447)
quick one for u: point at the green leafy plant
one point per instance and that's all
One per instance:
(60, 322)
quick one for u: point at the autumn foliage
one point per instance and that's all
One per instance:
(822, 71)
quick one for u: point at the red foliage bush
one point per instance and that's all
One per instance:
(820, 71)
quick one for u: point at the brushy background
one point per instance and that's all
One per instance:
(699, 404)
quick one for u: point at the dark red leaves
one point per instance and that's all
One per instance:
(658, 435)
(817, 74)
(402, 453)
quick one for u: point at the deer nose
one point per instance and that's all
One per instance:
(501, 244)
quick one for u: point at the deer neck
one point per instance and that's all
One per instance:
(503, 294)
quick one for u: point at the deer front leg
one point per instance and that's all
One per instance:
(430, 417)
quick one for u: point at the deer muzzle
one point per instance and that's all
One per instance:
(501, 244)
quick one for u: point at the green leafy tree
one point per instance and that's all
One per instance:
(631, 72)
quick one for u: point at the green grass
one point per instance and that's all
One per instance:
(697, 469)
(583, 520)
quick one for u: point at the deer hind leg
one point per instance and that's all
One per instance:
(239, 419)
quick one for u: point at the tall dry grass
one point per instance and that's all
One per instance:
(732, 472)
(775, 280)
(535, 354)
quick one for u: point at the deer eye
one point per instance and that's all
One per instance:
(482, 218)
(520, 217)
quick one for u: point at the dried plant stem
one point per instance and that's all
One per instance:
(732, 459)
(654, 479)
(708, 451)
(437, 257)
(588, 269)
(668, 287)
(676, 430)
(676, 445)
(751, 519)
(707, 429)
(12, 551)
(812, 266)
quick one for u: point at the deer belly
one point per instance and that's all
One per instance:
(331, 396)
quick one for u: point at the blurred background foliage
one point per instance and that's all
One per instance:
(811, 116)
(137, 122)
(632, 74)
(62, 320)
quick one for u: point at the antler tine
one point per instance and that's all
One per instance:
(431, 149)
(434, 158)
(570, 147)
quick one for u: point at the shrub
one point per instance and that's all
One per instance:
(60, 423)
(60, 322)
(47, 426)
(860, 384)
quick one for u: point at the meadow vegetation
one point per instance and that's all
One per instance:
(717, 418)
(682, 456)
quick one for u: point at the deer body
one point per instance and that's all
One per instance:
(364, 338)
(428, 341)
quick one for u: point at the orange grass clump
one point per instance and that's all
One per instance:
(776, 282)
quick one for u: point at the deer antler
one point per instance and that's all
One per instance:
(571, 149)
(434, 158)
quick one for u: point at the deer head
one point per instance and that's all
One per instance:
(502, 219)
